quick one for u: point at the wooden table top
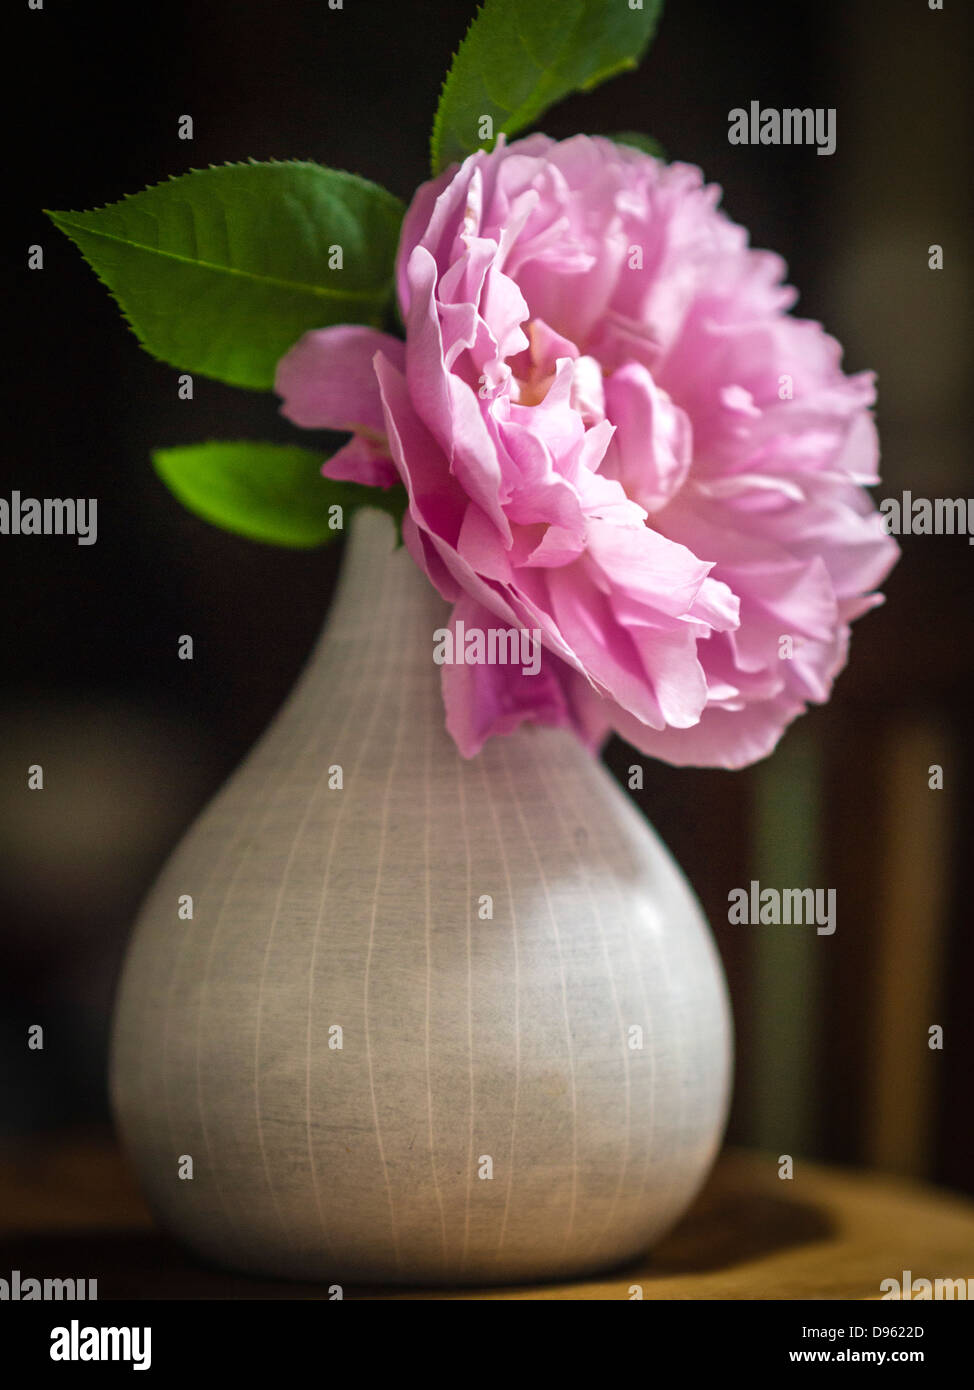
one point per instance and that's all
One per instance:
(72, 1208)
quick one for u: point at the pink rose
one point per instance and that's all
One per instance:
(611, 430)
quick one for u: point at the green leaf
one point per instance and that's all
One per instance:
(221, 270)
(521, 56)
(646, 143)
(267, 492)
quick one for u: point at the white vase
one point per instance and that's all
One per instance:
(448, 1022)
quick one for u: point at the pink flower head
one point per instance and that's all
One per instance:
(611, 431)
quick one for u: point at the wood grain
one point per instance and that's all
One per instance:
(74, 1210)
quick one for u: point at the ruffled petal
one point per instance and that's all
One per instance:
(327, 381)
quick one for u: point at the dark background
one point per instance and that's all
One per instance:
(831, 1035)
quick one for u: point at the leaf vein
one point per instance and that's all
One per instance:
(319, 291)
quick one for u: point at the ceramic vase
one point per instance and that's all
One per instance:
(431, 1020)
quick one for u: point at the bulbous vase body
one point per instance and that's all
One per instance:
(431, 1020)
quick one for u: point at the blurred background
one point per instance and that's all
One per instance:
(833, 1060)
